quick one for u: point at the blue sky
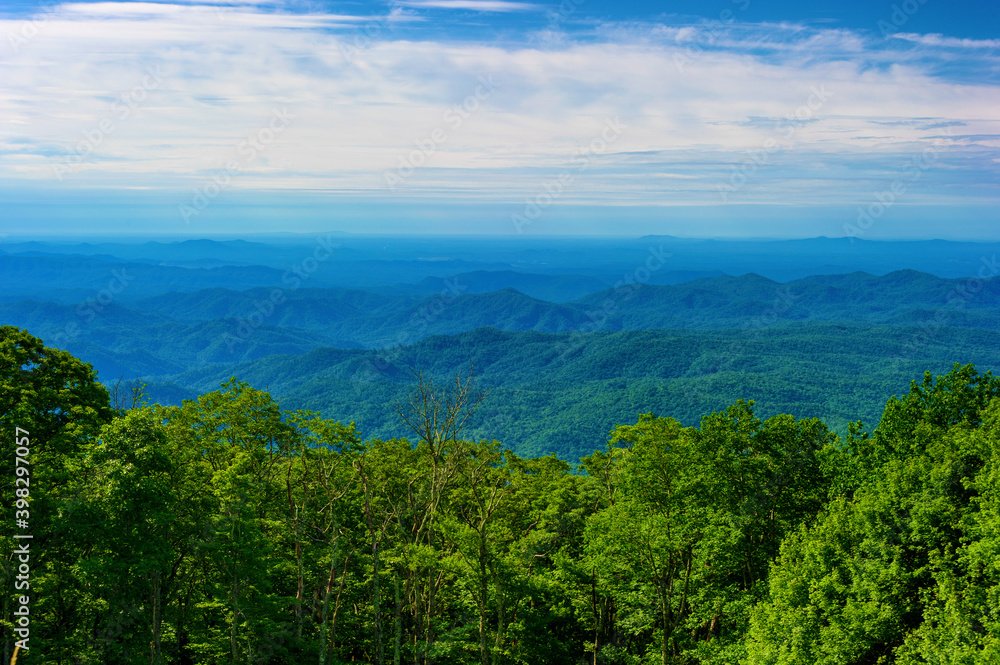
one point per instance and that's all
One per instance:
(744, 117)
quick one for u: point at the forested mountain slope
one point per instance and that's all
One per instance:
(231, 529)
(832, 346)
(355, 317)
(585, 383)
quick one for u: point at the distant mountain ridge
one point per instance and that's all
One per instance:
(167, 333)
(371, 261)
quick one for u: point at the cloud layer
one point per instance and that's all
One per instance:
(166, 95)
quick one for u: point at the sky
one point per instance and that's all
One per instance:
(711, 118)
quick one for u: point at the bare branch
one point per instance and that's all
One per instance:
(437, 415)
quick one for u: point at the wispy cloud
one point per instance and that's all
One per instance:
(948, 42)
(227, 68)
(474, 5)
(245, 14)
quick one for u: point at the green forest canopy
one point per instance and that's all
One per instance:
(228, 530)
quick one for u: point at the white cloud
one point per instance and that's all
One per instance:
(948, 42)
(363, 97)
(475, 5)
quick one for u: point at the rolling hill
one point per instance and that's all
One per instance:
(561, 393)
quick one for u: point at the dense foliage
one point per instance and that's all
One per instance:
(561, 393)
(230, 530)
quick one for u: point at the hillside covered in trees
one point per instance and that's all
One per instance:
(231, 530)
(833, 347)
